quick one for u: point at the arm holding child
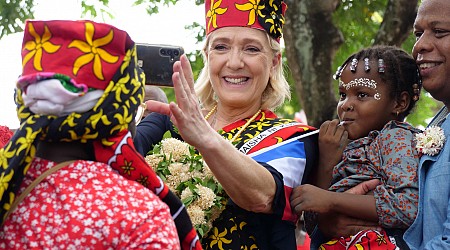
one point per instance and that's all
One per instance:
(394, 202)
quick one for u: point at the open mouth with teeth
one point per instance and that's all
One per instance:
(237, 81)
(427, 65)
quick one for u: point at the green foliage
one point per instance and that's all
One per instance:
(359, 22)
(198, 29)
(167, 134)
(348, 18)
(91, 9)
(195, 57)
(153, 5)
(13, 14)
(425, 109)
(289, 108)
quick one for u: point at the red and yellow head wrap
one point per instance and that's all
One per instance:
(266, 15)
(89, 53)
(83, 56)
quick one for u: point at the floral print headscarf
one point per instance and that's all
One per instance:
(84, 57)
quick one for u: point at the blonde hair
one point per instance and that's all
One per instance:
(276, 92)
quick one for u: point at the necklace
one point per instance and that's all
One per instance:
(211, 112)
(242, 128)
(245, 126)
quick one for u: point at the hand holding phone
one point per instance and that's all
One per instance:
(156, 60)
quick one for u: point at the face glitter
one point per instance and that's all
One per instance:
(363, 82)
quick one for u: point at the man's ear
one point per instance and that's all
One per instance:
(402, 103)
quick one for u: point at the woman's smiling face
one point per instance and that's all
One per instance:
(241, 62)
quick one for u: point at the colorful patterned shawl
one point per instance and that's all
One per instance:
(105, 125)
(258, 141)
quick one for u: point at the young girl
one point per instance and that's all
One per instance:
(378, 88)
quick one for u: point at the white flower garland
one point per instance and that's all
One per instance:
(431, 141)
(188, 176)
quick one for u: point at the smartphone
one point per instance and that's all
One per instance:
(156, 60)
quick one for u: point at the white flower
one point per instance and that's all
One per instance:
(174, 147)
(153, 160)
(187, 193)
(187, 175)
(431, 141)
(177, 168)
(207, 197)
(197, 215)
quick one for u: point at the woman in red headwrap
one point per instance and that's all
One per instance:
(76, 98)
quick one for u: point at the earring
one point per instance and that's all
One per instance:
(397, 113)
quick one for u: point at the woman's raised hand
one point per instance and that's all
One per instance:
(186, 114)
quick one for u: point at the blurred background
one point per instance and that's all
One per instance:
(318, 36)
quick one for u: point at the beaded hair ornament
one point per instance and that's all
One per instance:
(367, 82)
(267, 15)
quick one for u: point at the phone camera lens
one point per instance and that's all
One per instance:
(163, 52)
(169, 52)
(176, 53)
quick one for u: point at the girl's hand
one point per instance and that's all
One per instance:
(333, 138)
(310, 198)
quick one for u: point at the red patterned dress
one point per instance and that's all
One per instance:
(86, 205)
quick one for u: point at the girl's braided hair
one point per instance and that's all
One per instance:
(399, 71)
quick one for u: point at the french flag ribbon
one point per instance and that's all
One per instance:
(288, 158)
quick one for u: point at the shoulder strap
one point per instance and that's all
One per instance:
(34, 184)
